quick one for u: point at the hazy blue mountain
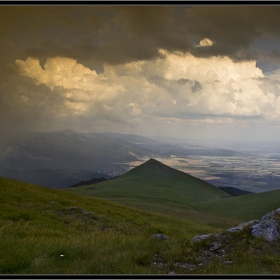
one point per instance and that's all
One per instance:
(84, 153)
(59, 178)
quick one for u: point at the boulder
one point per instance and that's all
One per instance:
(272, 215)
(78, 209)
(160, 236)
(277, 214)
(267, 228)
(201, 237)
(243, 225)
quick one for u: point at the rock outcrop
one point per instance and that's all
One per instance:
(267, 227)
(243, 225)
(160, 236)
(201, 237)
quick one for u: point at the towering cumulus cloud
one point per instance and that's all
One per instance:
(177, 85)
(169, 69)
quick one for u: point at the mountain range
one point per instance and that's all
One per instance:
(63, 158)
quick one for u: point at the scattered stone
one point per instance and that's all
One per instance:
(159, 265)
(206, 255)
(222, 251)
(79, 209)
(172, 272)
(243, 225)
(188, 266)
(191, 267)
(201, 237)
(215, 246)
(228, 262)
(267, 228)
(160, 236)
(185, 265)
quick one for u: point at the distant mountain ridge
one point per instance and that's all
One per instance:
(58, 178)
(39, 158)
(235, 191)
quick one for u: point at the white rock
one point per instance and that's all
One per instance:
(201, 237)
(243, 225)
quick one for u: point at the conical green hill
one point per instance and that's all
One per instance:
(155, 182)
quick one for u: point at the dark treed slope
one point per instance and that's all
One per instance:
(89, 182)
(57, 178)
(234, 191)
(157, 183)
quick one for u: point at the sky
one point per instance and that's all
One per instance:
(202, 71)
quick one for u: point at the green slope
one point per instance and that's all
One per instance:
(155, 187)
(246, 207)
(37, 226)
(47, 231)
(153, 181)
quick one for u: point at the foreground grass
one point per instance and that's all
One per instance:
(41, 233)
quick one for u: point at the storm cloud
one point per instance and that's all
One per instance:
(136, 68)
(122, 34)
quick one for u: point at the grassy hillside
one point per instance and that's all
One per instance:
(154, 181)
(47, 231)
(155, 187)
(246, 207)
(41, 234)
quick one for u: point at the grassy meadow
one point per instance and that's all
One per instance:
(48, 231)
(245, 207)
(157, 188)
(40, 235)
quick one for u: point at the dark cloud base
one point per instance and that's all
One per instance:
(96, 35)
